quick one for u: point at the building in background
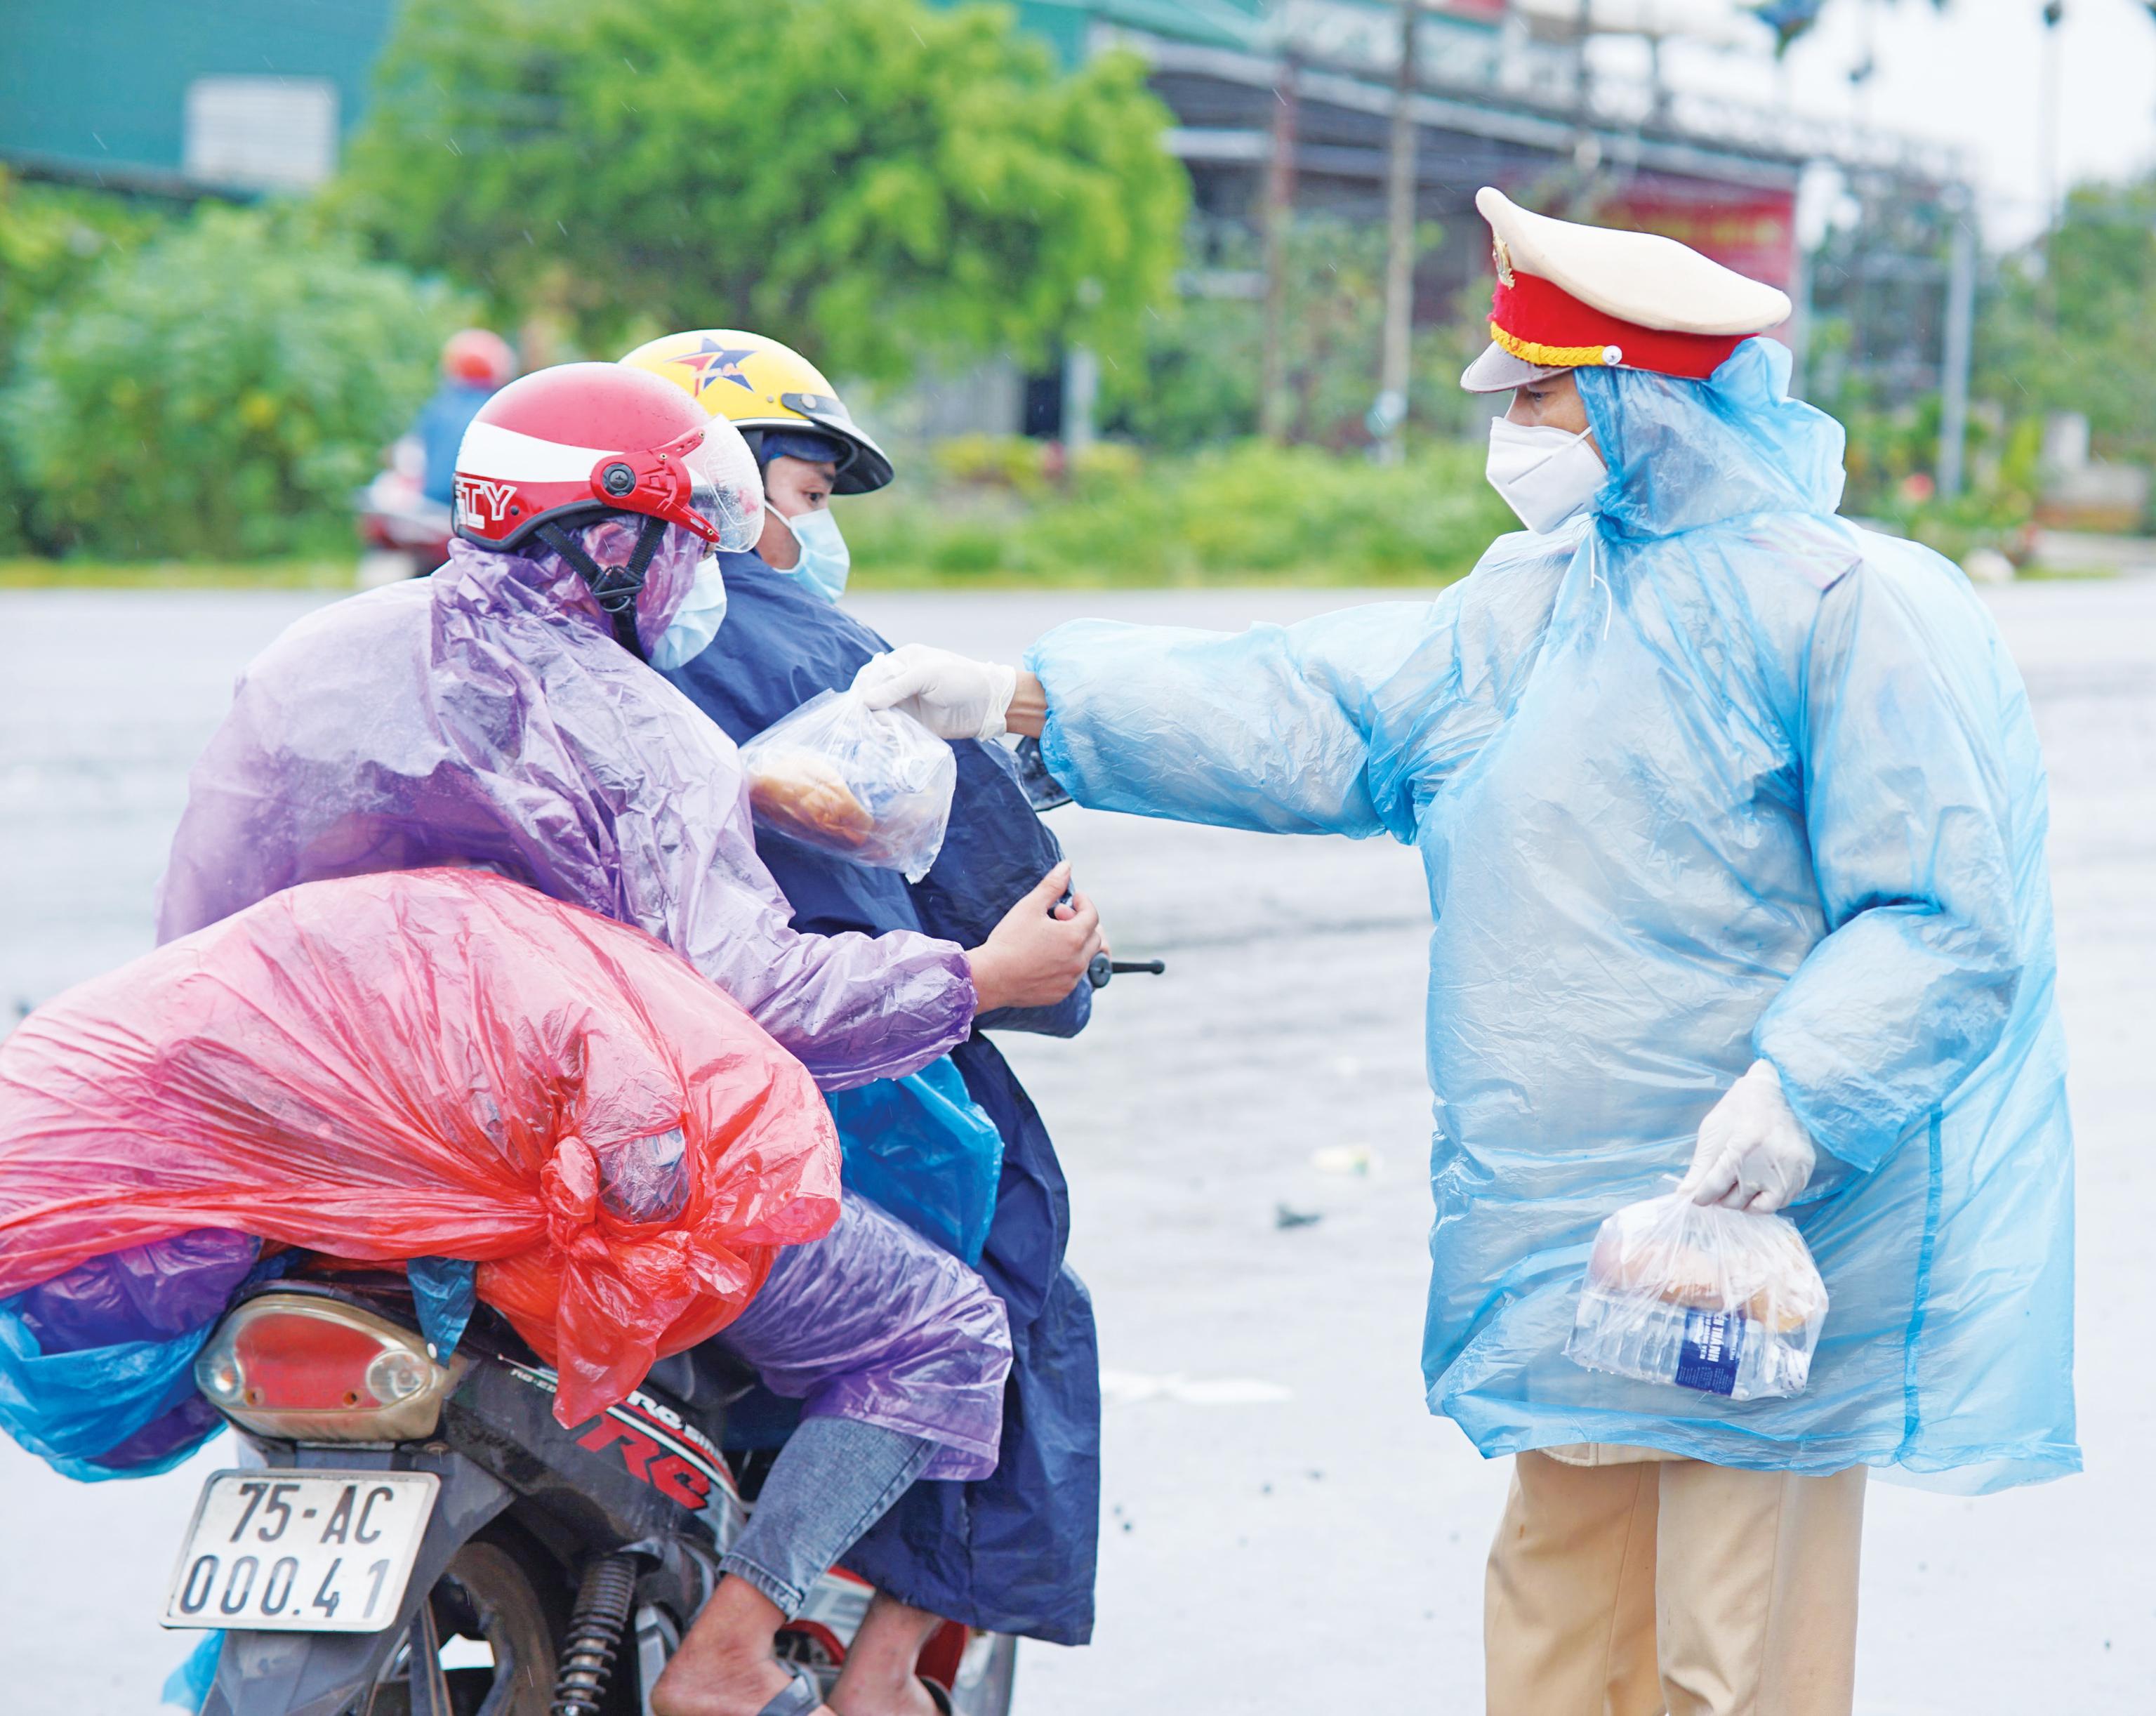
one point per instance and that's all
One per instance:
(1278, 104)
(1294, 99)
(186, 97)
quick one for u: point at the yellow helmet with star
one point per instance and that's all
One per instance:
(777, 398)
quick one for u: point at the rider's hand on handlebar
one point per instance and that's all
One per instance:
(1039, 953)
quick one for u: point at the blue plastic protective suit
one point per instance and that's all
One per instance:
(1705, 775)
(1015, 1553)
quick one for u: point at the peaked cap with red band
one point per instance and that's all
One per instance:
(1571, 296)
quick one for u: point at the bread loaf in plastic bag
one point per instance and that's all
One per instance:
(868, 785)
(1721, 1301)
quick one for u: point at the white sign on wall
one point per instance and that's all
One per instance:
(263, 133)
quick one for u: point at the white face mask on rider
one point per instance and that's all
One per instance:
(692, 629)
(1545, 474)
(824, 559)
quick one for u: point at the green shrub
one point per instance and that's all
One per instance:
(51, 239)
(220, 391)
(1250, 512)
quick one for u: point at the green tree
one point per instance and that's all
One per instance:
(875, 181)
(219, 391)
(2068, 327)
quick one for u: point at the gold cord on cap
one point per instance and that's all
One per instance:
(1552, 357)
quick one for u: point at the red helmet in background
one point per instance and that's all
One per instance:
(479, 357)
(563, 448)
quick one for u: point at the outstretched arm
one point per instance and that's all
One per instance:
(1269, 728)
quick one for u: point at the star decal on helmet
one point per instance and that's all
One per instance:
(714, 363)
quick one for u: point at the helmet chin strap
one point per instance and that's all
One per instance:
(615, 589)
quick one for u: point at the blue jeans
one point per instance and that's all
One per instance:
(834, 1479)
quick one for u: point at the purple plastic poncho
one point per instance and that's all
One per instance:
(874, 1323)
(486, 717)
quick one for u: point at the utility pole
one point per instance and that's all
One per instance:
(1956, 349)
(1583, 87)
(2047, 122)
(1388, 415)
(2049, 113)
(2047, 162)
(1278, 211)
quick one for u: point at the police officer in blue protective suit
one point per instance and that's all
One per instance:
(1014, 1553)
(1733, 817)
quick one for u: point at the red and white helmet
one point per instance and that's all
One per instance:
(565, 446)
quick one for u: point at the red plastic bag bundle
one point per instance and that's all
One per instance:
(431, 1063)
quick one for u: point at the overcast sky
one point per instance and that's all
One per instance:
(1971, 74)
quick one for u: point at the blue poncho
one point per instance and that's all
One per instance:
(1708, 774)
(1014, 1552)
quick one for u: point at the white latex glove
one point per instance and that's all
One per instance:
(1753, 1153)
(953, 696)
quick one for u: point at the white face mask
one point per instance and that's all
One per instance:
(1545, 474)
(825, 559)
(690, 633)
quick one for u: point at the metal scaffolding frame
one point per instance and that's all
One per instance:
(1228, 105)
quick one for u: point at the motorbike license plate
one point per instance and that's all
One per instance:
(284, 1551)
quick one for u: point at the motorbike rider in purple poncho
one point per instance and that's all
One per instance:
(501, 714)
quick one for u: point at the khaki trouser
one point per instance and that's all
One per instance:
(1625, 1585)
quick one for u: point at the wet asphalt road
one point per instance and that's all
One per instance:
(1286, 1529)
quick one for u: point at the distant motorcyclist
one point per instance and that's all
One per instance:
(1014, 1552)
(404, 512)
(476, 365)
(500, 716)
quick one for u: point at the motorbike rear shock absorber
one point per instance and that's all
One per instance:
(603, 1601)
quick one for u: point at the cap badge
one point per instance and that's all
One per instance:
(1501, 253)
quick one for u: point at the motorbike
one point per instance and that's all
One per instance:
(412, 1537)
(403, 534)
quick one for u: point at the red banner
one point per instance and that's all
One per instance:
(1753, 232)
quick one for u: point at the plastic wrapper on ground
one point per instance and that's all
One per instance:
(437, 1063)
(1721, 1301)
(866, 784)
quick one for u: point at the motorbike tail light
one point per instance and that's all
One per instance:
(308, 1370)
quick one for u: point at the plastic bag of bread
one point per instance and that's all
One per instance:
(868, 784)
(1717, 1300)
